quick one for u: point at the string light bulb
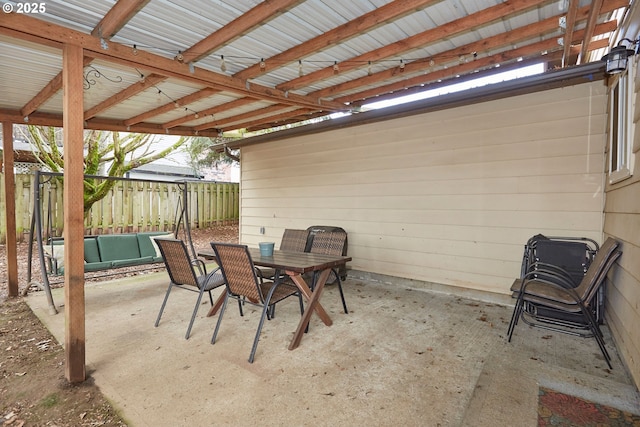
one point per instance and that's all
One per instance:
(263, 65)
(369, 72)
(135, 49)
(336, 69)
(159, 96)
(179, 56)
(401, 66)
(223, 65)
(300, 72)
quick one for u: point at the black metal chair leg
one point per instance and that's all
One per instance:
(195, 311)
(164, 303)
(265, 312)
(344, 303)
(514, 317)
(224, 306)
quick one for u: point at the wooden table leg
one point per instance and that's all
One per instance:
(216, 306)
(313, 299)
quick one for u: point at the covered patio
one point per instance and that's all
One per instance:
(435, 195)
(401, 356)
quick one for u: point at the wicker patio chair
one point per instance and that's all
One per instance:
(243, 284)
(547, 299)
(182, 275)
(293, 241)
(330, 243)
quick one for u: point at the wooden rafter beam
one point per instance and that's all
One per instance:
(551, 57)
(48, 119)
(117, 17)
(570, 23)
(487, 62)
(17, 24)
(323, 102)
(597, 44)
(370, 20)
(488, 44)
(271, 122)
(448, 30)
(123, 95)
(529, 31)
(394, 88)
(595, 11)
(211, 111)
(221, 123)
(170, 106)
(47, 92)
(275, 120)
(287, 118)
(260, 14)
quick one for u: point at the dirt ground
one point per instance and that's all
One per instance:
(33, 388)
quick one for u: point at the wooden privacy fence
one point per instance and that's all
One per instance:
(131, 206)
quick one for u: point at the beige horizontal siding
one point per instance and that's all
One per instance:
(621, 312)
(462, 161)
(447, 197)
(569, 183)
(408, 219)
(622, 221)
(624, 198)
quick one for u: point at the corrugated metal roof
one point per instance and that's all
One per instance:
(432, 40)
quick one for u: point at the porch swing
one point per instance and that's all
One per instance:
(103, 253)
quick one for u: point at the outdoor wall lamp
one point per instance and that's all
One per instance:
(616, 59)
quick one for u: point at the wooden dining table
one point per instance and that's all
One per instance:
(294, 265)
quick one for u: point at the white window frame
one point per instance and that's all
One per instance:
(621, 107)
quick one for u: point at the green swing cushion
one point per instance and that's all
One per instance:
(111, 251)
(147, 244)
(114, 247)
(91, 252)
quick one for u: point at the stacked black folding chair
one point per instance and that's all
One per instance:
(570, 256)
(549, 298)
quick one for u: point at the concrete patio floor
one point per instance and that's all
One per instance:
(400, 357)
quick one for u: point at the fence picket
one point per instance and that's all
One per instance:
(131, 206)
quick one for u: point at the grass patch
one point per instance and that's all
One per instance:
(50, 401)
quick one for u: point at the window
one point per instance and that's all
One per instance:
(620, 125)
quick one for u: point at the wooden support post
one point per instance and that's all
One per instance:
(73, 202)
(10, 209)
